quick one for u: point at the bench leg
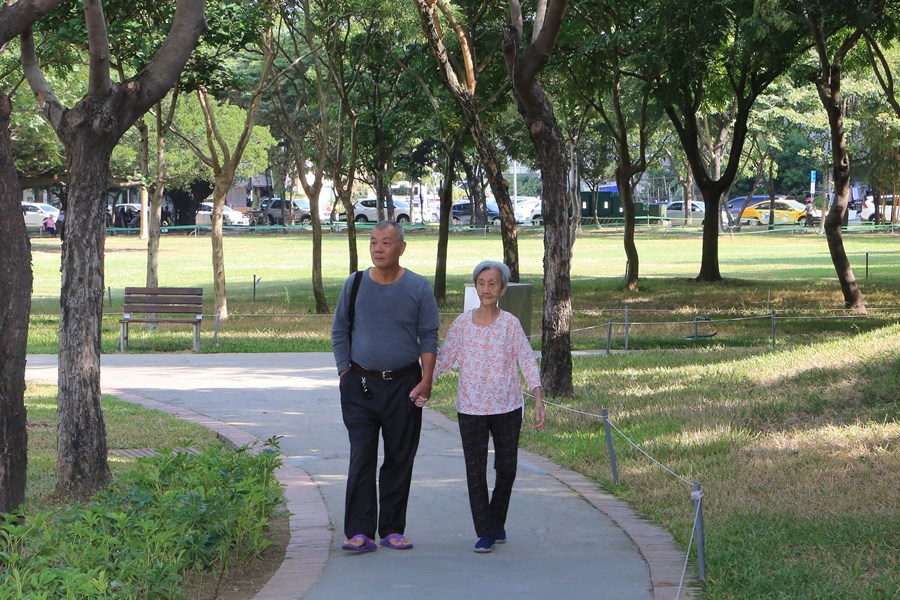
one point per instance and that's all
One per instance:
(123, 336)
(196, 337)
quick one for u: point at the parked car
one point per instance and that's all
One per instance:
(35, 213)
(786, 212)
(230, 216)
(273, 208)
(132, 211)
(676, 214)
(524, 209)
(737, 205)
(367, 210)
(867, 213)
(461, 213)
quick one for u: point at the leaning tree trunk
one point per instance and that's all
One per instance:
(853, 297)
(81, 466)
(15, 305)
(549, 142)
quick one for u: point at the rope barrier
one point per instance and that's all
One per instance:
(625, 437)
(697, 493)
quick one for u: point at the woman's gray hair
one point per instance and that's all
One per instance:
(491, 264)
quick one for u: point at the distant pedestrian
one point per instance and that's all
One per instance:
(50, 225)
(490, 347)
(61, 224)
(810, 212)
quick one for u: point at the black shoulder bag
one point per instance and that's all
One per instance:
(351, 310)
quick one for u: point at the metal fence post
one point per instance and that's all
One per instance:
(697, 497)
(604, 412)
(774, 337)
(216, 332)
(608, 336)
(627, 326)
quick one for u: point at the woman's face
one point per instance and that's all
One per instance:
(489, 286)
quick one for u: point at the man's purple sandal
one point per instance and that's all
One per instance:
(396, 541)
(354, 545)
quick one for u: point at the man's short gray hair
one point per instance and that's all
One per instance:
(397, 227)
(491, 264)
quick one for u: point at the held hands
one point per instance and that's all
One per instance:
(421, 393)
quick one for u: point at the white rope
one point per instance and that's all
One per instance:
(662, 466)
(690, 543)
(625, 437)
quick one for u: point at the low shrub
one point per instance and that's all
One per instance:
(171, 519)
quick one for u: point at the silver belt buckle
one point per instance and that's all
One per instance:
(384, 375)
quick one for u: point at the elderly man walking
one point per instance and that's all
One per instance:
(385, 323)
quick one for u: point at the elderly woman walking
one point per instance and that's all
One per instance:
(490, 347)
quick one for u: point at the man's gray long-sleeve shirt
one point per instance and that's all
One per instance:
(394, 323)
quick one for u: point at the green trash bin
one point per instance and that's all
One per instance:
(516, 300)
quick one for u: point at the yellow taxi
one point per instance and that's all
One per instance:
(787, 212)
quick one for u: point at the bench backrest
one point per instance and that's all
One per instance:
(164, 300)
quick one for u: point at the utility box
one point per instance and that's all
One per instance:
(516, 300)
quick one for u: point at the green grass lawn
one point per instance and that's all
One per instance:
(797, 446)
(783, 272)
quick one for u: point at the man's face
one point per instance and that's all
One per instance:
(385, 248)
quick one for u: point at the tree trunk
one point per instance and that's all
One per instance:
(465, 99)
(853, 297)
(156, 194)
(548, 140)
(312, 192)
(15, 304)
(491, 162)
(828, 84)
(220, 192)
(446, 203)
(709, 262)
(623, 182)
(81, 467)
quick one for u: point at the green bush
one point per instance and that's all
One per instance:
(172, 517)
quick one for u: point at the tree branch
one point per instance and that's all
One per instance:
(16, 18)
(40, 87)
(98, 47)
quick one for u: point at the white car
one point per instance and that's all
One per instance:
(524, 209)
(867, 213)
(367, 210)
(35, 213)
(229, 215)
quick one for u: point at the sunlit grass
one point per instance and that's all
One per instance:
(797, 450)
(128, 426)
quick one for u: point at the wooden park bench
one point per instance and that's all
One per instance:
(161, 305)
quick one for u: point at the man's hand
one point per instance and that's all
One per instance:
(421, 393)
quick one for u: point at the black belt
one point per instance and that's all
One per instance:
(386, 375)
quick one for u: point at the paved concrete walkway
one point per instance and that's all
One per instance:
(567, 538)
